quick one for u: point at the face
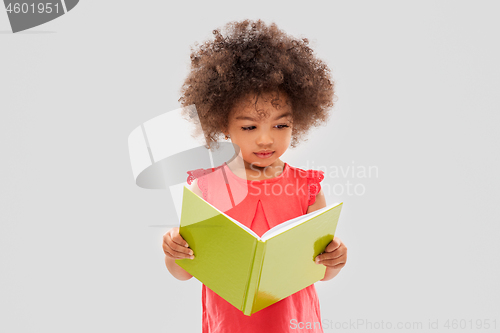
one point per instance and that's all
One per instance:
(261, 127)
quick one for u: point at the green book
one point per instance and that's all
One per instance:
(249, 271)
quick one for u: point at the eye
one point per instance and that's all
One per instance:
(249, 128)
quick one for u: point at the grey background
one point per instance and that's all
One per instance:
(418, 90)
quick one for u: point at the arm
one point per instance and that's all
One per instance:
(335, 255)
(318, 204)
(175, 247)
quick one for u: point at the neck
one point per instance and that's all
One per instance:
(278, 164)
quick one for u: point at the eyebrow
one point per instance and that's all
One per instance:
(253, 119)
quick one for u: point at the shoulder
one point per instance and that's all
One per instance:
(195, 174)
(195, 188)
(198, 173)
(313, 179)
(309, 174)
(197, 180)
(316, 202)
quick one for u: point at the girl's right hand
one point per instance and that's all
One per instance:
(175, 247)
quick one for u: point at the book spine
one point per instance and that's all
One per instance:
(255, 272)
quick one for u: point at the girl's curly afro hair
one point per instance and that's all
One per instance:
(251, 57)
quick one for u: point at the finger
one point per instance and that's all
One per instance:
(176, 247)
(334, 244)
(329, 255)
(171, 253)
(177, 238)
(175, 250)
(339, 266)
(334, 262)
(179, 244)
(341, 250)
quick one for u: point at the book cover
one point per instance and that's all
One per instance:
(248, 271)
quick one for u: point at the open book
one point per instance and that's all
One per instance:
(249, 271)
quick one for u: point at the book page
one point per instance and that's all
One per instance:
(279, 228)
(242, 226)
(289, 264)
(287, 225)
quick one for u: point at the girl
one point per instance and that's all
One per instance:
(262, 89)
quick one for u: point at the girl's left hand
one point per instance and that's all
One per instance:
(335, 254)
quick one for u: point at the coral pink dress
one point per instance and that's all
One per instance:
(260, 205)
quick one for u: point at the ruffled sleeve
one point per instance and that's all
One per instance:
(202, 181)
(198, 174)
(193, 174)
(314, 177)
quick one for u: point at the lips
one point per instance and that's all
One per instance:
(264, 153)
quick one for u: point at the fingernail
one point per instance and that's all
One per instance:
(186, 245)
(190, 251)
(191, 257)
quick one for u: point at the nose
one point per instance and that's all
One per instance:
(265, 138)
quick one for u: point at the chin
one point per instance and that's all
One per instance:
(262, 164)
